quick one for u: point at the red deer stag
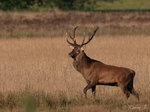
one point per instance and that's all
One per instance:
(98, 73)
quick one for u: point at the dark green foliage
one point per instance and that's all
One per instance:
(13, 4)
(19, 4)
(82, 5)
(65, 4)
(28, 4)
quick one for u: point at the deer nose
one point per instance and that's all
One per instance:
(70, 54)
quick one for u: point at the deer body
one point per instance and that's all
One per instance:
(102, 74)
(98, 73)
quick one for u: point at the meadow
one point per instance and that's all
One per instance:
(37, 74)
(41, 69)
(55, 24)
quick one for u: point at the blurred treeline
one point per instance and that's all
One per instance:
(81, 5)
(46, 4)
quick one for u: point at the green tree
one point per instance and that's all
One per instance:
(13, 4)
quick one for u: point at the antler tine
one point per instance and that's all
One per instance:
(74, 31)
(72, 38)
(90, 38)
(72, 44)
(83, 39)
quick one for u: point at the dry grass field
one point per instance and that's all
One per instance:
(37, 75)
(54, 24)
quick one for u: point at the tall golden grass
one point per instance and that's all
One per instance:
(42, 65)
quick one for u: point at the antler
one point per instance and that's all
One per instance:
(83, 43)
(72, 38)
(90, 38)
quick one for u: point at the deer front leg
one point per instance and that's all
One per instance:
(90, 85)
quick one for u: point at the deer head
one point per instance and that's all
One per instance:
(78, 48)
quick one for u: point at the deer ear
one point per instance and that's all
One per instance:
(82, 49)
(71, 47)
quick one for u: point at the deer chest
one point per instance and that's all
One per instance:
(76, 65)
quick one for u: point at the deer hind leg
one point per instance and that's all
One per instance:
(94, 91)
(90, 85)
(125, 90)
(132, 90)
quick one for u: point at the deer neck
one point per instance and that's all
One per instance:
(81, 62)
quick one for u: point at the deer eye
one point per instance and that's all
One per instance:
(78, 51)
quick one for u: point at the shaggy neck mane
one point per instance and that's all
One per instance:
(82, 61)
